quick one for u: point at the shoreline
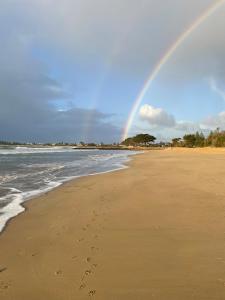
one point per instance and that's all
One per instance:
(27, 203)
(154, 230)
(39, 193)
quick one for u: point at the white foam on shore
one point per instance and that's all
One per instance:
(15, 207)
(33, 150)
(11, 210)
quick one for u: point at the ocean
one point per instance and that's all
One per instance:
(26, 172)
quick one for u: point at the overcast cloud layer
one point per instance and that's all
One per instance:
(126, 36)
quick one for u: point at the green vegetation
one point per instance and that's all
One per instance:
(189, 140)
(216, 138)
(139, 140)
(176, 142)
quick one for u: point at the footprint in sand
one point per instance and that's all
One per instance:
(92, 293)
(86, 273)
(58, 272)
(82, 286)
(88, 260)
(4, 285)
(3, 269)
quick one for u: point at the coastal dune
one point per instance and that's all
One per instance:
(155, 230)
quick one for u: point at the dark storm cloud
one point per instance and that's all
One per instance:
(28, 94)
(55, 126)
(28, 113)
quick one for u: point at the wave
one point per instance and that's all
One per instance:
(33, 150)
(87, 166)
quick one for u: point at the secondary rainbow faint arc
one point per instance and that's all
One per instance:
(209, 11)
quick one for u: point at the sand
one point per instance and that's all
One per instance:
(153, 231)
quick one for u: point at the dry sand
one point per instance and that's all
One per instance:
(153, 231)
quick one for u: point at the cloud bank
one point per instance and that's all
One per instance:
(156, 116)
(160, 120)
(28, 97)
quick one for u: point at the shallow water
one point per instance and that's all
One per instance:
(26, 172)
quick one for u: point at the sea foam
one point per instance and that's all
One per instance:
(28, 172)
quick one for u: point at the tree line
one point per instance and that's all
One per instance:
(215, 138)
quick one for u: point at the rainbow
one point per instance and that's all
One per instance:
(206, 14)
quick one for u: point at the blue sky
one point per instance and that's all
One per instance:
(76, 67)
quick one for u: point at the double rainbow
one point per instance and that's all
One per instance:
(206, 14)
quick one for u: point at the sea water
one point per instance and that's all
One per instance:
(26, 172)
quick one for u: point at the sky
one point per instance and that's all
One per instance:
(71, 70)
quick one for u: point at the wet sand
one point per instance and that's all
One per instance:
(153, 231)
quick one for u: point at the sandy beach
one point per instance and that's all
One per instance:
(155, 230)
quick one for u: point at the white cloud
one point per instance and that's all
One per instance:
(156, 116)
(164, 124)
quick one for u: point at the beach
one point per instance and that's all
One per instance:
(155, 230)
